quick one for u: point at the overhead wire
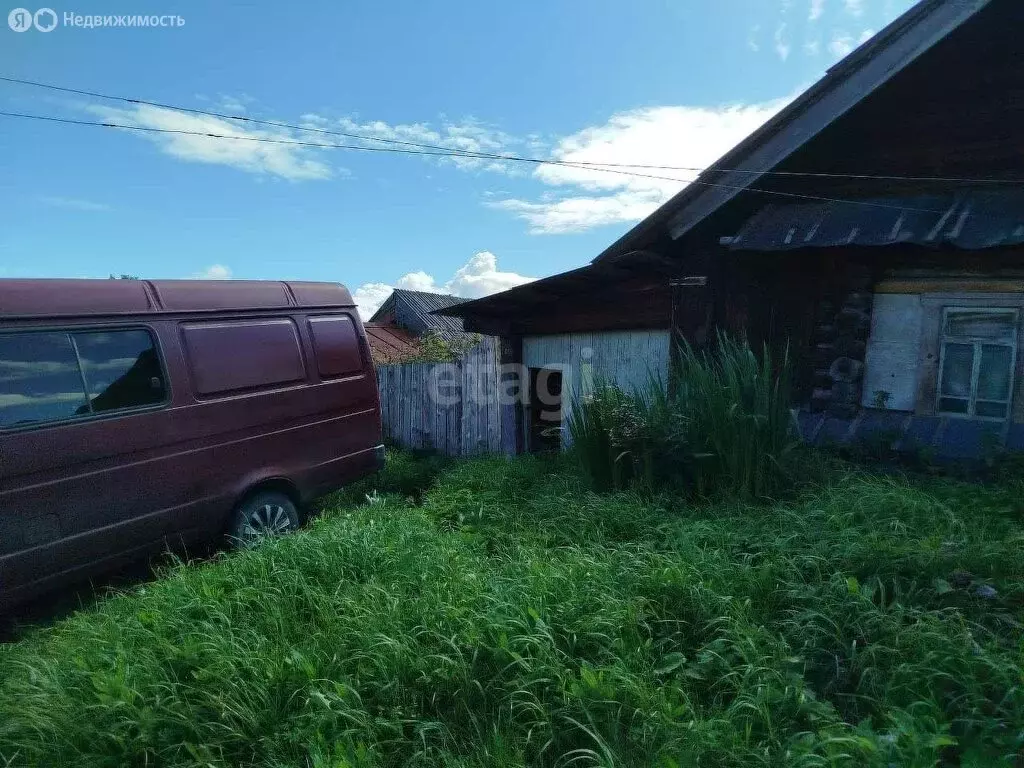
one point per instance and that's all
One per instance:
(595, 165)
(455, 153)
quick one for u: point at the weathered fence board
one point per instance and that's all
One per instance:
(465, 419)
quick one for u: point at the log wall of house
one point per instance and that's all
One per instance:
(817, 305)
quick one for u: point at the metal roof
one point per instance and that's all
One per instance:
(413, 310)
(970, 220)
(71, 297)
(846, 84)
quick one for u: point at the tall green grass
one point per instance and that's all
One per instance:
(516, 618)
(723, 425)
(738, 408)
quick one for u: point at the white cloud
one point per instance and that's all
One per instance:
(812, 47)
(284, 160)
(214, 272)
(74, 203)
(577, 214)
(752, 42)
(854, 7)
(314, 120)
(817, 9)
(235, 104)
(782, 46)
(419, 281)
(468, 135)
(687, 137)
(476, 278)
(480, 277)
(841, 44)
(369, 296)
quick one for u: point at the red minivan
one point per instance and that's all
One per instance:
(138, 414)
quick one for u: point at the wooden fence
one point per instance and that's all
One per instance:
(450, 407)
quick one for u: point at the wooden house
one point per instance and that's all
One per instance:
(875, 226)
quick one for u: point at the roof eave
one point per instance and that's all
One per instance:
(865, 70)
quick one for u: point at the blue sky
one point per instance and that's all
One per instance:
(652, 81)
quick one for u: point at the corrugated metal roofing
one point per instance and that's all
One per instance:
(970, 220)
(866, 68)
(413, 310)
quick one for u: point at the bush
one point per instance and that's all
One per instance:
(724, 426)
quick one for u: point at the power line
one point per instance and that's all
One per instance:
(454, 153)
(258, 139)
(582, 164)
(320, 145)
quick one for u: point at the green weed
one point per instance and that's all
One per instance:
(518, 618)
(722, 426)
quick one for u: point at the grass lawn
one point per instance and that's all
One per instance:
(510, 617)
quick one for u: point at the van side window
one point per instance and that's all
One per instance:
(39, 379)
(336, 345)
(121, 369)
(50, 376)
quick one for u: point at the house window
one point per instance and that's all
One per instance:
(977, 362)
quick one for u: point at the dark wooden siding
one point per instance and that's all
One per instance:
(628, 304)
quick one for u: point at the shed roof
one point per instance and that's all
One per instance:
(413, 311)
(73, 297)
(564, 285)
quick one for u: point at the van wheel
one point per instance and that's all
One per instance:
(263, 514)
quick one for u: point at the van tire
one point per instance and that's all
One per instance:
(260, 515)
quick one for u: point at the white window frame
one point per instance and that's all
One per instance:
(977, 343)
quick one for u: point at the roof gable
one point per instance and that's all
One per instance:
(845, 85)
(413, 311)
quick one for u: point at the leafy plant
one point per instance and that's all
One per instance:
(723, 425)
(435, 348)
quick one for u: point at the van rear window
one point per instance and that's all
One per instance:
(336, 344)
(55, 375)
(242, 356)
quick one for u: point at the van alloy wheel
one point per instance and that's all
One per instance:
(261, 515)
(268, 520)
